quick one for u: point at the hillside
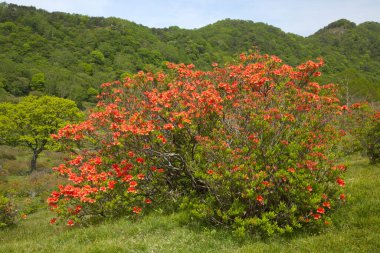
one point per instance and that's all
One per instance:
(70, 55)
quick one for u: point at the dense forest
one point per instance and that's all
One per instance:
(70, 55)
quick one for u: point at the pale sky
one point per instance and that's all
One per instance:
(303, 17)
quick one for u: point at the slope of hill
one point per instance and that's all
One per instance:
(70, 55)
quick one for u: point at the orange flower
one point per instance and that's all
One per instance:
(137, 209)
(321, 210)
(210, 172)
(260, 199)
(291, 170)
(168, 126)
(132, 190)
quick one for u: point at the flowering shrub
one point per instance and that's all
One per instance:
(247, 145)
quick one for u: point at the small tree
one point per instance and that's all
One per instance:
(31, 122)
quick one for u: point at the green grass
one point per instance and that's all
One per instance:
(356, 228)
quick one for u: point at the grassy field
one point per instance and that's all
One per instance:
(356, 228)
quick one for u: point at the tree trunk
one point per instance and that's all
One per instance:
(33, 162)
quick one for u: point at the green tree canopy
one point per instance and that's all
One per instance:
(31, 122)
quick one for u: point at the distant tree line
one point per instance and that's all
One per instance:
(69, 55)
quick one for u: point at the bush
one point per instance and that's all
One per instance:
(249, 146)
(7, 211)
(363, 127)
(373, 137)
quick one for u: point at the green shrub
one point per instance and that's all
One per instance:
(373, 136)
(363, 127)
(7, 211)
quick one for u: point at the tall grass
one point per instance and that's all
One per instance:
(356, 228)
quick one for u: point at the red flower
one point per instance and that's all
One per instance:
(326, 204)
(77, 209)
(160, 170)
(342, 196)
(316, 216)
(148, 201)
(210, 172)
(140, 176)
(309, 188)
(132, 184)
(291, 170)
(111, 184)
(70, 223)
(97, 161)
(162, 138)
(127, 178)
(52, 221)
(340, 181)
(140, 160)
(321, 210)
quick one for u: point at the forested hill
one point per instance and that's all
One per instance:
(71, 55)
